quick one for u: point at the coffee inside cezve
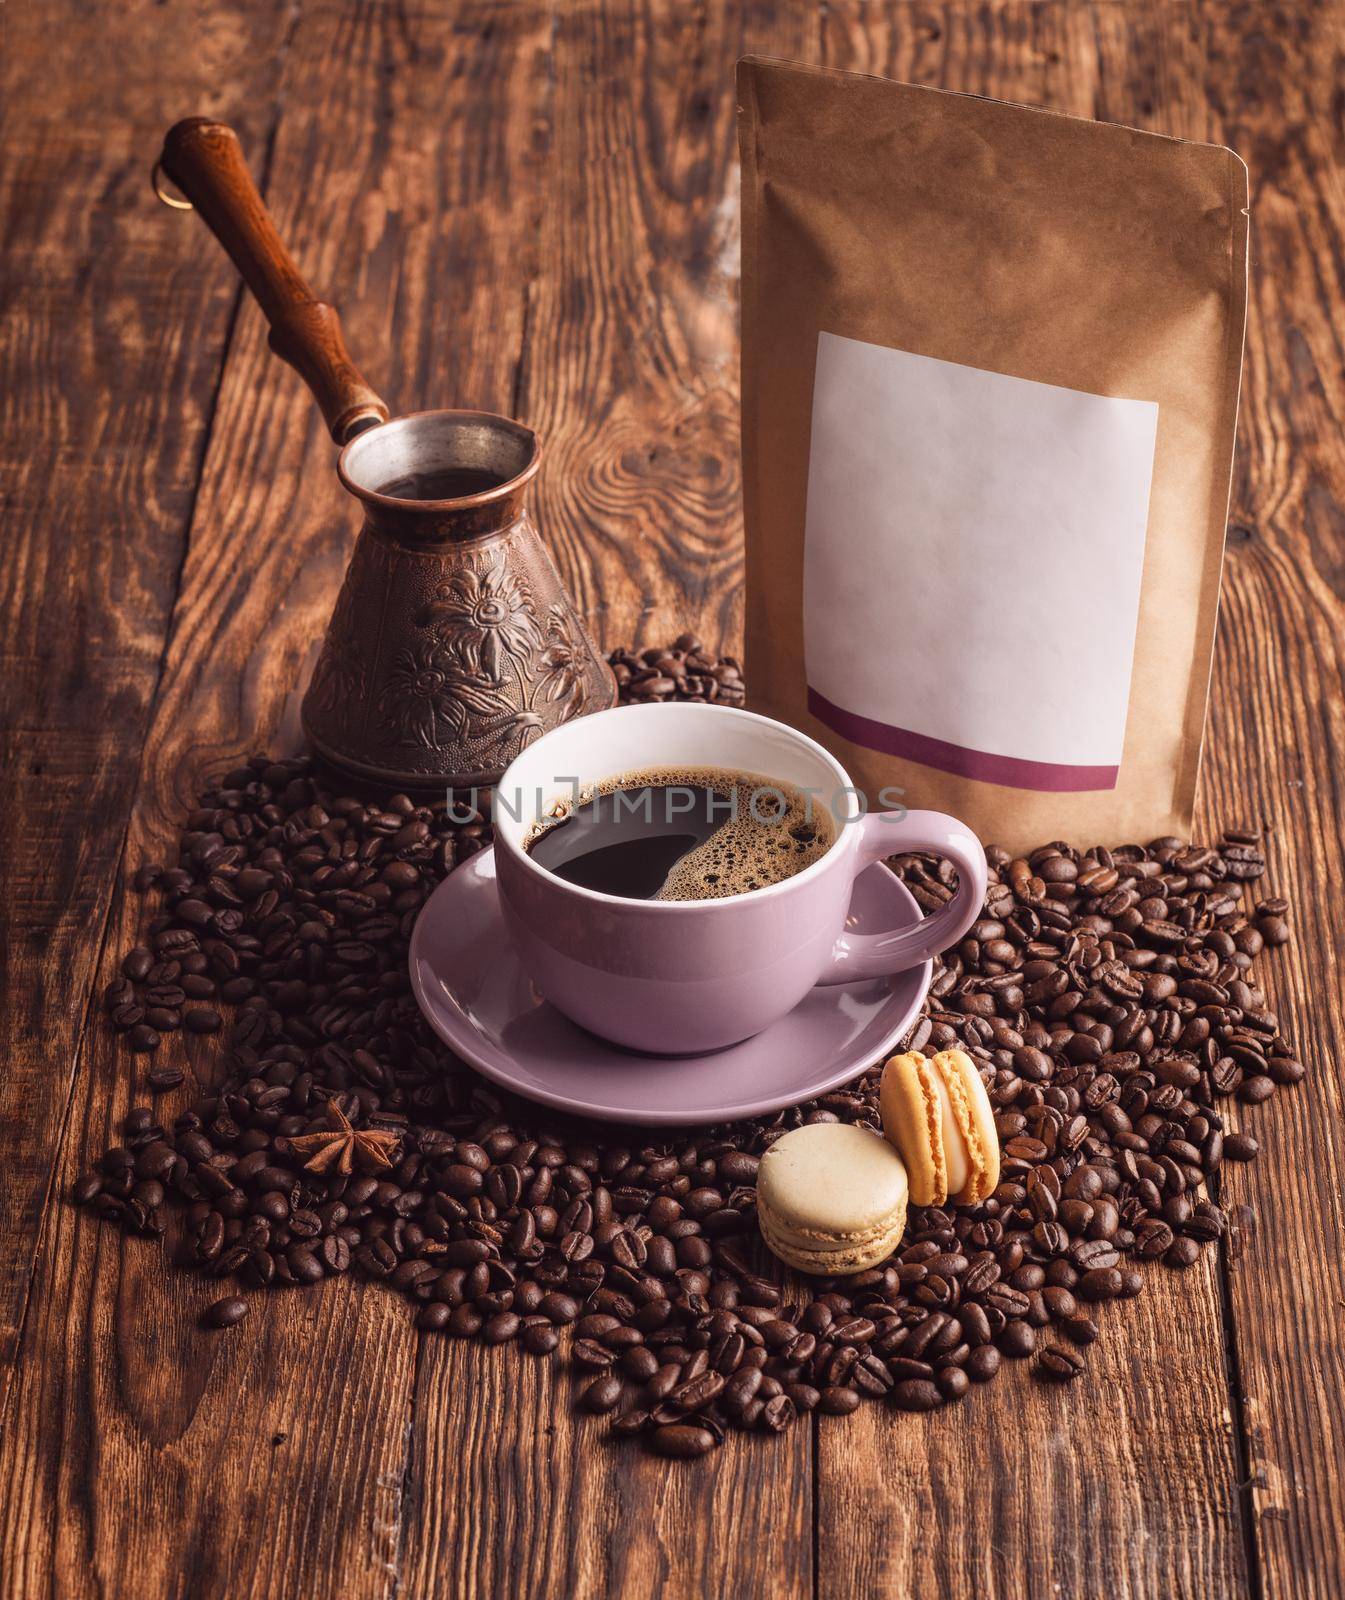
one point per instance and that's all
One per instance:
(700, 834)
(448, 483)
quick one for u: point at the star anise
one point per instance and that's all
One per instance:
(341, 1147)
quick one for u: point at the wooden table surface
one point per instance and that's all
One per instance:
(534, 209)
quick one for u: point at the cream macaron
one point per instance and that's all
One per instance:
(937, 1115)
(831, 1199)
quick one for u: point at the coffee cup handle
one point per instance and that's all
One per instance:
(890, 833)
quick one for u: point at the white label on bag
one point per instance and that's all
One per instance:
(972, 561)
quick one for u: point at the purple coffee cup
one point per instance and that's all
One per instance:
(673, 977)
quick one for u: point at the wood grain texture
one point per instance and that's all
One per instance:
(1123, 1482)
(631, 375)
(533, 208)
(180, 1492)
(109, 349)
(543, 1502)
(1274, 757)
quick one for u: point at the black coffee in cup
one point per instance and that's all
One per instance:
(694, 834)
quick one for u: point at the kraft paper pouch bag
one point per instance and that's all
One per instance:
(991, 359)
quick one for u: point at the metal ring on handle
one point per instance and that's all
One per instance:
(168, 199)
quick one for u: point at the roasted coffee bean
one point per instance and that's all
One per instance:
(916, 1394)
(1100, 1283)
(561, 1308)
(777, 1414)
(1059, 1302)
(1018, 1338)
(160, 1079)
(500, 1328)
(1183, 1252)
(335, 1254)
(155, 1160)
(741, 1388)
(953, 1382)
(1152, 1237)
(838, 1400)
(983, 1363)
(697, 1392)
(1089, 1254)
(540, 1339)
(465, 1322)
(601, 1393)
(726, 1354)
(136, 964)
(588, 1353)
(854, 1331)
(639, 1363)
(680, 1440)
(1060, 1362)
(664, 1381)
(871, 1376)
(1240, 1147)
(305, 1267)
(630, 1423)
(696, 1362)
(226, 1313)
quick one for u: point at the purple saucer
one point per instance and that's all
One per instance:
(478, 1000)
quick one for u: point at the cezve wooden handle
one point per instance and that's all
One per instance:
(205, 160)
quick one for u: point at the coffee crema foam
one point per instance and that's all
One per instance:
(788, 833)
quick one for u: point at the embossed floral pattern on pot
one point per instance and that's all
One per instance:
(487, 610)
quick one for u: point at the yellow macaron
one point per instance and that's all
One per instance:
(937, 1115)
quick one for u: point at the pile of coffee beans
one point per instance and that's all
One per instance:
(682, 672)
(1107, 996)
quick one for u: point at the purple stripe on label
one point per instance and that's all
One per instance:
(1048, 776)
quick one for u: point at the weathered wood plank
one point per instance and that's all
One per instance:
(515, 1494)
(1121, 1483)
(1126, 1483)
(632, 374)
(142, 1454)
(110, 341)
(1274, 757)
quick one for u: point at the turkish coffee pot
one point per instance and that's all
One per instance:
(453, 643)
